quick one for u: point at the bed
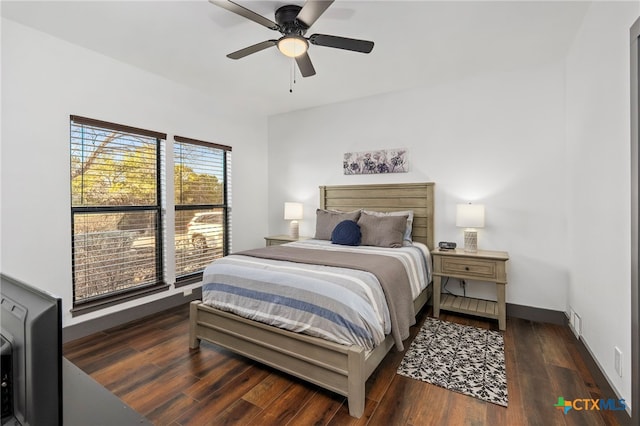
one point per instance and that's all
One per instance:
(340, 368)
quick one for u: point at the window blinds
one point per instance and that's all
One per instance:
(202, 204)
(116, 213)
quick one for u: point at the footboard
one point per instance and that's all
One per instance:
(338, 368)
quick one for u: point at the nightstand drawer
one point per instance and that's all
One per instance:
(276, 240)
(475, 267)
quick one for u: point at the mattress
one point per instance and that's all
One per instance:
(342, 305)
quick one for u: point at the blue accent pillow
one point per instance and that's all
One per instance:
(346, 233)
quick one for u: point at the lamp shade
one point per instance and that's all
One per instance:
(470, 216)
(292, 211)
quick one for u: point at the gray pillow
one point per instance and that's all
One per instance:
(409, 213)
(326, 220)
(382, 231)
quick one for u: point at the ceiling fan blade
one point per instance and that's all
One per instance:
(305, 65)
(243, 11)
(312, 10)
(252, 49)
(353, 44)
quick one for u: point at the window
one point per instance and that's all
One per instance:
(115, 211)
(202, 213)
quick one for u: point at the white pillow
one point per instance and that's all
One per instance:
(409, 213)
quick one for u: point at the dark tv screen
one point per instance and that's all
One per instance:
(31, 355)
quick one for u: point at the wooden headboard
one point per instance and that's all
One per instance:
(386, 198)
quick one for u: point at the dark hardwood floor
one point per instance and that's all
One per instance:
(148, 364)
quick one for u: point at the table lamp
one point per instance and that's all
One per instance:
(470, 217)
(293, 212)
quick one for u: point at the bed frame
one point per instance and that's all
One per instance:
(338, 368)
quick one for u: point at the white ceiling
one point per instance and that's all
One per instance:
(417, 43)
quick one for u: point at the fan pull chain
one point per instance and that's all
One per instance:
(292, 75)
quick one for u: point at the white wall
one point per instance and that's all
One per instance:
(44, 80)
(598, 137)
(496, 139)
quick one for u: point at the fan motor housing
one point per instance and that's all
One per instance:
(286, 18)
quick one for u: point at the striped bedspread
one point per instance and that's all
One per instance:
(346, 306)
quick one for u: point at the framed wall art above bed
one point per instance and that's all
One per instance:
(379, 161)
(340, 368)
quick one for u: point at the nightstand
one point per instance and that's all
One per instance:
(276, 240)
(482, 265)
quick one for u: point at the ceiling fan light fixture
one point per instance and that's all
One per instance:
(293, 45)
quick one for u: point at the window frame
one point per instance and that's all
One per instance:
(119, 296)
(194, 277)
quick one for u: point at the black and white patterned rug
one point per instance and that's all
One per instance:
(460, 358)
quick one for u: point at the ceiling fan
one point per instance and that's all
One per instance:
(293, 22)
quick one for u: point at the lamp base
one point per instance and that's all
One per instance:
(470, 240)
(294, 230)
